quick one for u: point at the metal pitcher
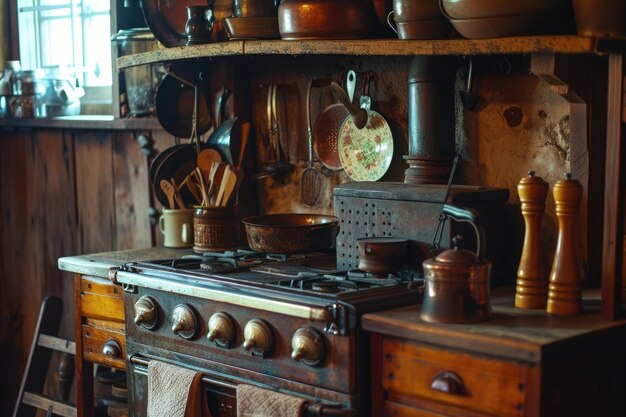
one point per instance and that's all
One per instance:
(457, 280)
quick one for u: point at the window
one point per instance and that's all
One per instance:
(72, 34)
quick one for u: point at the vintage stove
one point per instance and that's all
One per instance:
(286, 323)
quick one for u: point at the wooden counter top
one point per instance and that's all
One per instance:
(524, 335)
(100, 122)
(98, 264)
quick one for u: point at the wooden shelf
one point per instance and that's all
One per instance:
(562, 44)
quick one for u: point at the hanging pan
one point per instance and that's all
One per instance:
(175, 106)
(179, 160)
(365, 140)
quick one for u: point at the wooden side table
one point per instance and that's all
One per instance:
(522, 363)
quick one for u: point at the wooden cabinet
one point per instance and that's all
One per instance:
(99, 329)
(519, 364)
(100, 339)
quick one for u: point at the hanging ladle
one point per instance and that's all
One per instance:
(279, 166)
(311, 180)
(470, 100)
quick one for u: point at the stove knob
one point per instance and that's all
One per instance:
(308, 346)
(221, 329)
(258, 337)
(146, 312)
(184, 322)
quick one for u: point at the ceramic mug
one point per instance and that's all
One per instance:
(177, 227)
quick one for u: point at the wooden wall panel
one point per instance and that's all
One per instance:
(132, 193)
(21, 260)
(54, 168)
(162, 140)
(94, 192)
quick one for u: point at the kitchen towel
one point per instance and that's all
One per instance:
(174, 391)
(259, 402)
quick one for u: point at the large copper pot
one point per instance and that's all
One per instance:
(327, 19)
(457, 280)
(291, 233)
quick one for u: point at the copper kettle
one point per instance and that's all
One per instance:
(457, 280)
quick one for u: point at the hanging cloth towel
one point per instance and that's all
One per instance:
(174, 391)
(259, 402)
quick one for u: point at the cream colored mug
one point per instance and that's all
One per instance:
(177, 227)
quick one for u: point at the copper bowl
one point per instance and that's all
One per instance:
(327, 19)
(497, 27)
(480, 9)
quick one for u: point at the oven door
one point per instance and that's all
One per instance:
(221, 394)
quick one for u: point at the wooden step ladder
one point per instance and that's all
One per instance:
(30, 397)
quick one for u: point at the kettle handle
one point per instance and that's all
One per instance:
(464, 214)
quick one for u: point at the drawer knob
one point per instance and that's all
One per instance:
(447, 382)
(112, 349)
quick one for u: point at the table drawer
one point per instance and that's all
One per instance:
(104, 343)
(100, 298)
(394, 409)
(468, 381)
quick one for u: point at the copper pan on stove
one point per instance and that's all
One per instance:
(291, 232)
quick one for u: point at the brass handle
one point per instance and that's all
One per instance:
(112, 349)
(447, 382)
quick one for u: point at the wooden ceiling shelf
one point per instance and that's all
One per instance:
(563, 44)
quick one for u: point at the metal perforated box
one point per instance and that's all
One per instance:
(374, 209)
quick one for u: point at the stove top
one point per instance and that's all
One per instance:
(310, 273)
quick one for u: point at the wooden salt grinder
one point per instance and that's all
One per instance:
(532, 274)
(565, 289)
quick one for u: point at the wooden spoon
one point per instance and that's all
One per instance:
(168, 190)
(177, 197)
(229, 188)
(205, 160)
(216, 182)
(223, 184)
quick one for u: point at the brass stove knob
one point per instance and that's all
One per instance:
(308, 346)
(258, 337)
(146, 312)
(221, 329)
(184, 322)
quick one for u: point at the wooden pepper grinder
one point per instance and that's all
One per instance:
(565, 290)
(532, 274)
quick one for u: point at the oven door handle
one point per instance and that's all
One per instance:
(312, 409)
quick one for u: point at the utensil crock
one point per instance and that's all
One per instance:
(457, 280)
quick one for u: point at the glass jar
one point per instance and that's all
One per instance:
(140, 81)
(8, 79)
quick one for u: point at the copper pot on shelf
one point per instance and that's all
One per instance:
(457, 280)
